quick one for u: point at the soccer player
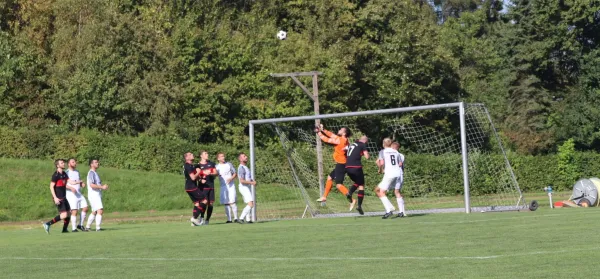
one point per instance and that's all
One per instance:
(95, 188)
(392, 161)
(246, 181)
(340, 142)
(399, 183)
(355, 171)
(191, 174)
(58, 184)
(208, 172)
(74, 196)
(227, 175)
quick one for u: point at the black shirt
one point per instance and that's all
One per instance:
(60, 183)
(210, 179)
(188, 169)
(355, 152)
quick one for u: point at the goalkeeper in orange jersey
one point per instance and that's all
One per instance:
(340, 143)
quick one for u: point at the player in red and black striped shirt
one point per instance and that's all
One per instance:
(58, 188)
(208, 172)
(354, 169)
(191, 174)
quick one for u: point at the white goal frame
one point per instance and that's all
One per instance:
(463, 141)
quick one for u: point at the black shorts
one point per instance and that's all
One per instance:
(196, 195)
(357, 175)
(63, 206)
(338, 173)
(209, 193)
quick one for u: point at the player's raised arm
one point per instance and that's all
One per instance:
(329, 137)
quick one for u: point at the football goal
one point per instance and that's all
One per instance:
(454, 162)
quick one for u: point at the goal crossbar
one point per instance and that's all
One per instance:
(463, 138)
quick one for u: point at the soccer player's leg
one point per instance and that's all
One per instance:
(328, 186)
(74, 203)
(357, 175)
(382, 188)
(340, 173)
(232, 197)
(197, 196)
(247, 195)
(399, 198)
(84, 210)
(210, 197)
(97, 211)
(63, 211)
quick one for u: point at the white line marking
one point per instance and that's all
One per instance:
(305, 258)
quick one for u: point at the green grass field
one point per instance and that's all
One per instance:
(543, 244)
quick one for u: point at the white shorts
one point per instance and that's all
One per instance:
(399, 183)
(246, 194)
(96, 202)
(388, 182)
(228, 194)
(75, 202)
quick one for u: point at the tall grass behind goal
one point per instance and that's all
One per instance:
(438, 177)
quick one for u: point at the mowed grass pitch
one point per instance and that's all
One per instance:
(542, 244)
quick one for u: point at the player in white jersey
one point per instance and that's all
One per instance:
(392, 161)
(74, 196)
(246, 182)
(95, 188)
(399, 183)
(227, 175)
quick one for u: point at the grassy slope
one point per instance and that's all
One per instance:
(490, 245)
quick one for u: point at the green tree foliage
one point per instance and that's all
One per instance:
(198, 70)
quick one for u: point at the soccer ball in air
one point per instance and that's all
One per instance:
(282, 35)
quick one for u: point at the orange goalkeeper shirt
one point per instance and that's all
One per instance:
(341, 145)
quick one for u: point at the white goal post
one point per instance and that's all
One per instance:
(289, 169)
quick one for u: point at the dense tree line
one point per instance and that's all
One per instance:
(198, 70)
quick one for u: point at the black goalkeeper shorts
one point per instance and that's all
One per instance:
(338, 173)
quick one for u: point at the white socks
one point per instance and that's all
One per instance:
(400, 204)
(228, 213)
(234, 210)
(98, 221)
(90, 220)
(387, 204)
(82, 218)
(246, 212)
(74, 222)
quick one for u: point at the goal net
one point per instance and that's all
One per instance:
(286, 159)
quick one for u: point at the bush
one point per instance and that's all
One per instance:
(164, 154)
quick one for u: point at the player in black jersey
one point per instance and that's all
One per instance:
(191, 174)
(208, 173)
(58, 189)
(354, 170)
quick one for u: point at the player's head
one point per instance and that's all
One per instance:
(204, 155)
(221, 157)
(395, 145)
(243, 158)
(59, 163)
(94, 163)
(387, 142)
(72, 163)
(345, 132)
(363, 139)
(188, 157)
